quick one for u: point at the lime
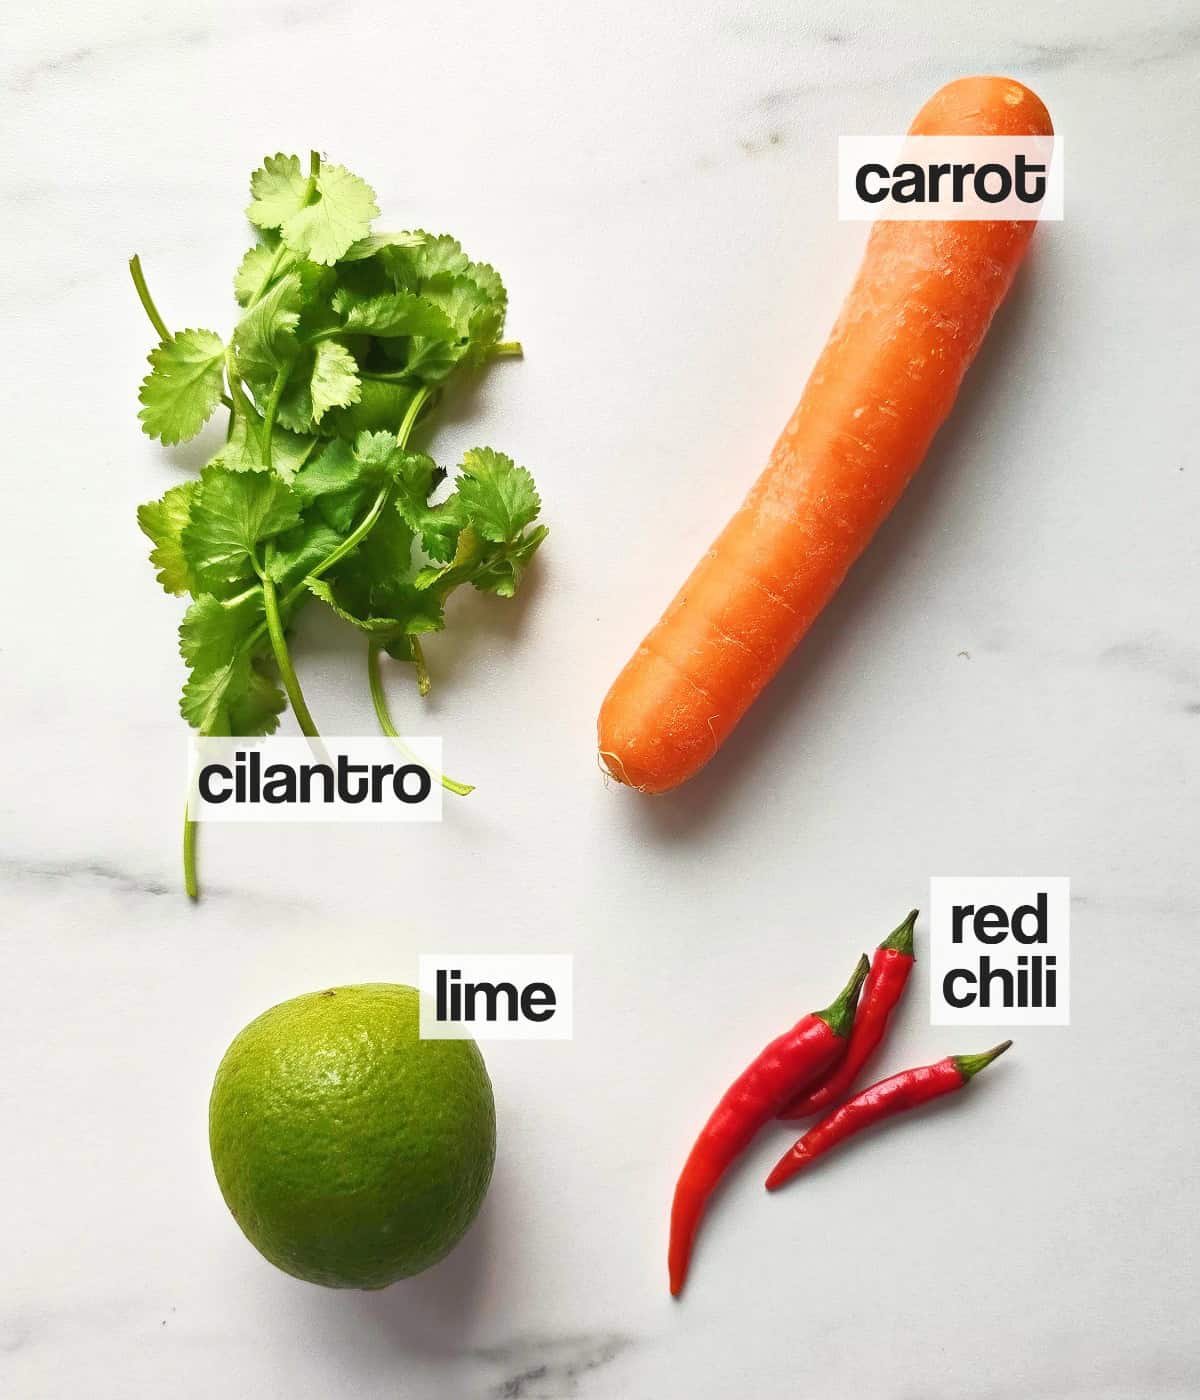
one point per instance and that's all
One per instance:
(350, 1152)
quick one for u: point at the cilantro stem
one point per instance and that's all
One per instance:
(412, 413)
(367, 523)
(314, 170)
(283, 659)
(502, 350)
(357, 535)
(385, 376)
(190, 884)
(383, 715)
(139, 282)
(281, 379)
(272, 271)
(282, 251)
(415, 650)
(351, 542)
(240, 402)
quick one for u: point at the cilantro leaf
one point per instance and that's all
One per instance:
(232, 513)
(184, 385)
(298, 551)
(252, 270)
(418, 612)
(228, 690)
(432, 361)
(471, 295)
(373, 589)
(264, 340)
(366, 581)
(497, 497)
(335, 468)
(335, 382)
(280, 188)
(163, 521)
(344, 477)
(338, 216)
(363, 248)
(294, 410)
(502, 572)
(458, 568)
(437, 526)
(243, 450)
(477, 534)
(435, 255)
(400, 313)
(477, 316)
(381, 406)
(489, 282)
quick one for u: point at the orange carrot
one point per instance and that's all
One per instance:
(884, 384)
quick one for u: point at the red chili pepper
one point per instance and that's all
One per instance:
(756, 1096)
(908, 1089)
(890, 966)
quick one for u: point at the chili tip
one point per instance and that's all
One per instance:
(787, 1167)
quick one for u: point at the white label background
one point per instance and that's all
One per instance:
(1007, 891)
(856, 151)
(555, 969)
(295, 751)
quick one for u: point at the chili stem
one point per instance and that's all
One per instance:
(970, 1065)
(383, 715)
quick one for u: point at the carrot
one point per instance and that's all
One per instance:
(884, 384)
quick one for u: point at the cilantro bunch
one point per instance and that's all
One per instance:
(343, 345)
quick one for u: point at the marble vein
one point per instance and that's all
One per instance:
(550, 1367)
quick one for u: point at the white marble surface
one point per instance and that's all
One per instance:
(1010, 682)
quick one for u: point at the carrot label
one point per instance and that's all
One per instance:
(963, 178)
(1000, 950)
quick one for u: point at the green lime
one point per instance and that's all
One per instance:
(351, 1152)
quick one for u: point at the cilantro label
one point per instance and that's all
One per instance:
(1000, 949)
(319, 780)
(496, 996)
